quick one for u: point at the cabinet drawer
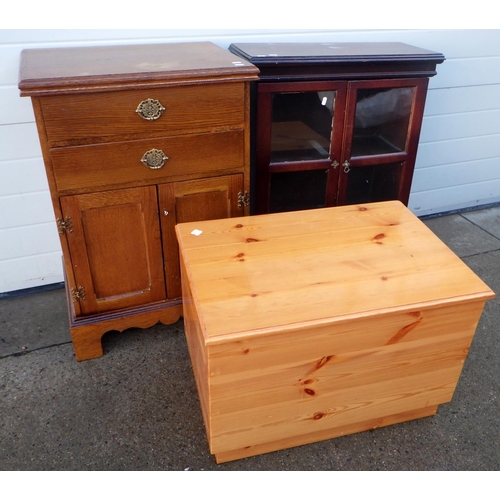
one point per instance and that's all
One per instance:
(96, 117)
(81, 167)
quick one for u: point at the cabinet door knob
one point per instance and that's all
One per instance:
(335, 163)
(347, 167)
(150, 109)
(154, 158)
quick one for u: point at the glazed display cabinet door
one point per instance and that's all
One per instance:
(299, 136)
(322, 144)
(115, 248)
(382, 129)
(191, 201)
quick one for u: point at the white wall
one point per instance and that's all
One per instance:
(458, 163)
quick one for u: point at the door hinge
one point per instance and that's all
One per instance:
(243, 199)
(78, 294)
(64, 225)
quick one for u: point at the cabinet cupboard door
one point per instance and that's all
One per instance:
(190, 201)
(298, 141)
(115, 248)
(336, 143)
(383, 120)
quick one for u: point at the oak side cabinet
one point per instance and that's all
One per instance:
(335, 123)
(136, 139)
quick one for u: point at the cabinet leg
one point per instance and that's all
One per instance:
(87, 337)
(87, 342)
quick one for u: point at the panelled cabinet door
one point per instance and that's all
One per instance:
(115, 248)
(190, 201)
(383, 120)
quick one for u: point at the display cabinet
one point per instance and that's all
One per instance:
(136, 139)
(335, 124)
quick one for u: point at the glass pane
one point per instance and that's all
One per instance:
(298, 190)
(381, 121)
(374, 183)
(301, 126)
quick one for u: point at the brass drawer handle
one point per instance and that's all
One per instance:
(154, 158)
(150, 109)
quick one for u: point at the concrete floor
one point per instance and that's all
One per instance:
(137, 408)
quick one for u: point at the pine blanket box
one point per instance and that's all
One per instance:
(304, 326)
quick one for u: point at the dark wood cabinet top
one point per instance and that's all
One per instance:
(377, 51)
(74, 69)
(338, 60)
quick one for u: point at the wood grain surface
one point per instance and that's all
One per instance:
(318, 266)
(309, 325)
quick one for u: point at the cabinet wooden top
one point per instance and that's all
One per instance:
(267, 273)
(357, 51)
(77, 69)
(343, 60)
